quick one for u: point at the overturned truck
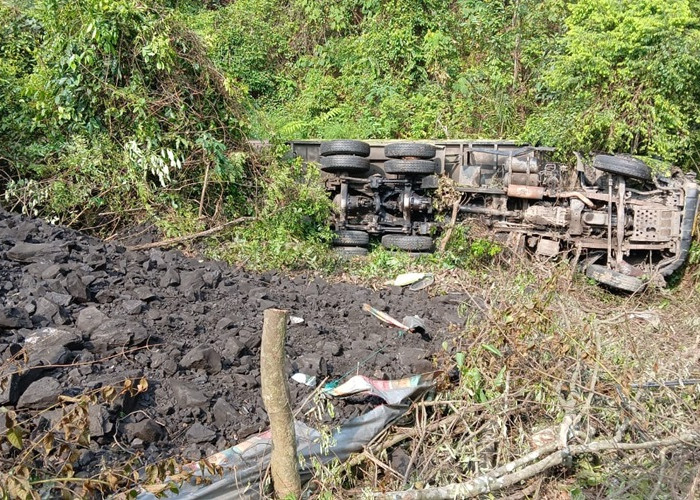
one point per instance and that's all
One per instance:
(626, 226)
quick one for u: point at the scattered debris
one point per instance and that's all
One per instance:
(414, 324)
(295, 320)
(407, 279)
(236, 471)
(425, 282)
(305, 379)
(384, 317)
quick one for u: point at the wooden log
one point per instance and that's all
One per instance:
(275, 394)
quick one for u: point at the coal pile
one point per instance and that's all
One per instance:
(77, 314)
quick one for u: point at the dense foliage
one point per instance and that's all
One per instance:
(610, 75)
(114, 105)
(626, 78)
(107, 107)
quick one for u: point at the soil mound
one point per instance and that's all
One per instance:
(84, 313)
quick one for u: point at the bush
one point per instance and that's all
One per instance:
(121, 106)
(290, 230)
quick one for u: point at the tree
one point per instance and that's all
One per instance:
(626, 79)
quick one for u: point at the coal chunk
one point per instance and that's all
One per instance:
(187, 395)
(90, 318)
(133, 307)
(40, 394)
(37, 252)
(198, 433)
(205, 358)
(99, 422)
(224, 412)
(170, 278)
(116, 333)
(147, 430)
(50, 346)
(13, 317)
(76, 288)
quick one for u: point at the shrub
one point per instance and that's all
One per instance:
(121, 106)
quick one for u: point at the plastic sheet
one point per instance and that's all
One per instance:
(245, 463)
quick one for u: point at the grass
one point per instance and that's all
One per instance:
(537, 346)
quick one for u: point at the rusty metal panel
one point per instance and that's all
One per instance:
(547, 248)
(652, 224)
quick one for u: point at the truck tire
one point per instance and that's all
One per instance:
(614, 279)
(410, 149)
(347, 238)
(350, 252)
(409, 167)
(623, 165)
(345, 147)
(406, 242)
(344, 163)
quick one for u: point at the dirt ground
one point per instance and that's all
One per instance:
(77, 314)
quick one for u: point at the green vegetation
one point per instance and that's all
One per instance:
(115, 106)
(116, 111)
(290, 230)
(112, 111)
(626, 78)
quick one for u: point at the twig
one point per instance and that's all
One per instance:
(694, 486)
(204, 191)
(667, 383)
(181, 239)
(525, 492)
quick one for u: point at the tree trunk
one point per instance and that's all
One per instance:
(275, 394)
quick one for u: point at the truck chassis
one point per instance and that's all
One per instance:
(626, 226)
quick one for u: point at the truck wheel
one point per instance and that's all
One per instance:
(423, 167)
(345, 147)
(344, 163)
(409, 243)
(614, 279)
(623, 165)
(410, 149)
(346, 238)
(350, 252)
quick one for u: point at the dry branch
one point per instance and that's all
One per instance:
(453, 221)
(181, 239)
(507, 475)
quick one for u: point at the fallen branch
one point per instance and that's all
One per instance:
(181, 239)
(453, 221)
(507, 476)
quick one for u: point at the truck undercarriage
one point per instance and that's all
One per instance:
(627, 226)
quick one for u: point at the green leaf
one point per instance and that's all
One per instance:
(460, 359)
(492, 350)
(14, 436)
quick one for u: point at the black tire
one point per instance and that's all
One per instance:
(409, 167)
(345, 147)
(346, 238)
(614, 279)
(350, 252)
(344, 163)
(406, 242)
(622, 165)
(410, 149)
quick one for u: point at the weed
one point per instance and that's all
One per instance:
(383, 263)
